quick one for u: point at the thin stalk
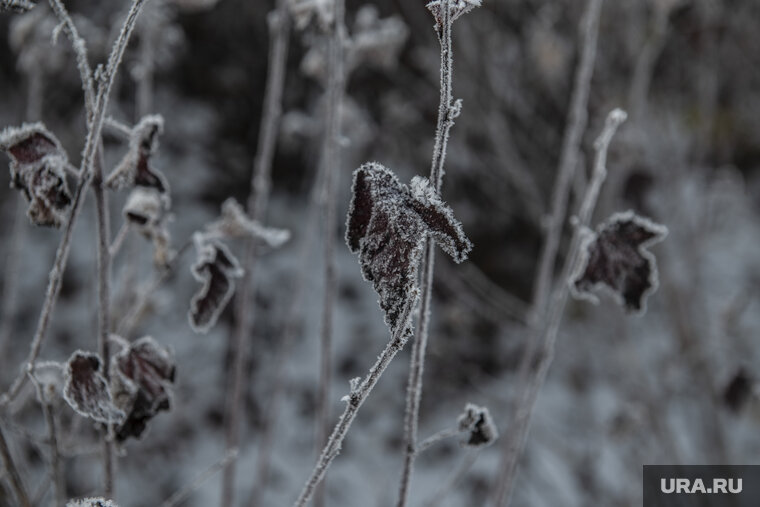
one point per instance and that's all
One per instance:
(446, 115)
(354, 402)
(55, 277)
(14, 478)
(258, 198)
(104, 299)
(515, 443)
(331, 172)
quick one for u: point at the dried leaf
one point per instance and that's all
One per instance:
(141, 378)
(215, 268)
(86, 390)
(387, 226)
(145, 210)
(480, 428)
(235, 223)
(37, 168)
(457, 8)
(615, 258)
(134, 169)
(16, 5)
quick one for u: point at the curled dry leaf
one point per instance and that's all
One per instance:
(457, 8)
(135, 169)
(615, 258)
(480, 428)
(86, 389)
(145, 210)
(16, 5)
(387, 226)
(37, 167)
(235, 223)
(141, 378)
(216, 268)
(91, 502)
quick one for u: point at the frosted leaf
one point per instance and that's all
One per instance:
(91, 502)
(135, 169)
(86, 390)
(739, 390)
(303, 11)
(16, 5)
(50, 377)
(615, 258)
(141, 378)
(480, 428)
(387, 226)
(235, 223)
(145, 210)
(37, 168)
(216, 268)
(457, 8)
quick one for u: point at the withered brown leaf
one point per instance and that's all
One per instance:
(86, 389)
(387, 226)
(615, 258)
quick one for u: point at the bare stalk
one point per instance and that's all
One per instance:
(14, 478)
(446, 114)
(354, 401)
(331, 173)
(55, 277)
(517, 436)
(279, 33)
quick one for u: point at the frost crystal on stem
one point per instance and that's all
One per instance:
(16, 5)
(387, 226)
(615, 258)
(86, 389)
(38, 169)
(457, 8)
(215, 268)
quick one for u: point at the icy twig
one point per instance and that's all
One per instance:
(118, 241)
(59, 487)
(518, 431)
(435, 438)
(258, 197)
(354, 401)
(185, 492)
(119, 127)
(448, 110)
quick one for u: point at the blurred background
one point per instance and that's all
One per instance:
(676, 385)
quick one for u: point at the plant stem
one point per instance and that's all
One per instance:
(331, 173)
(355, 400)
(13, 476)
(518, 433)
(414, 388)
(59, 487)
(279, 33)
(55, 278)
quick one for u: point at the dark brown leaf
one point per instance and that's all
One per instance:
(141, 378)
(216, 268)
(615, 258)
(86, 389)
(387, 226)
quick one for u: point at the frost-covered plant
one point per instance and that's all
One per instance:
(476, 421)
(615, 258)
(86, 388)
(38, 169)
(91, 502)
